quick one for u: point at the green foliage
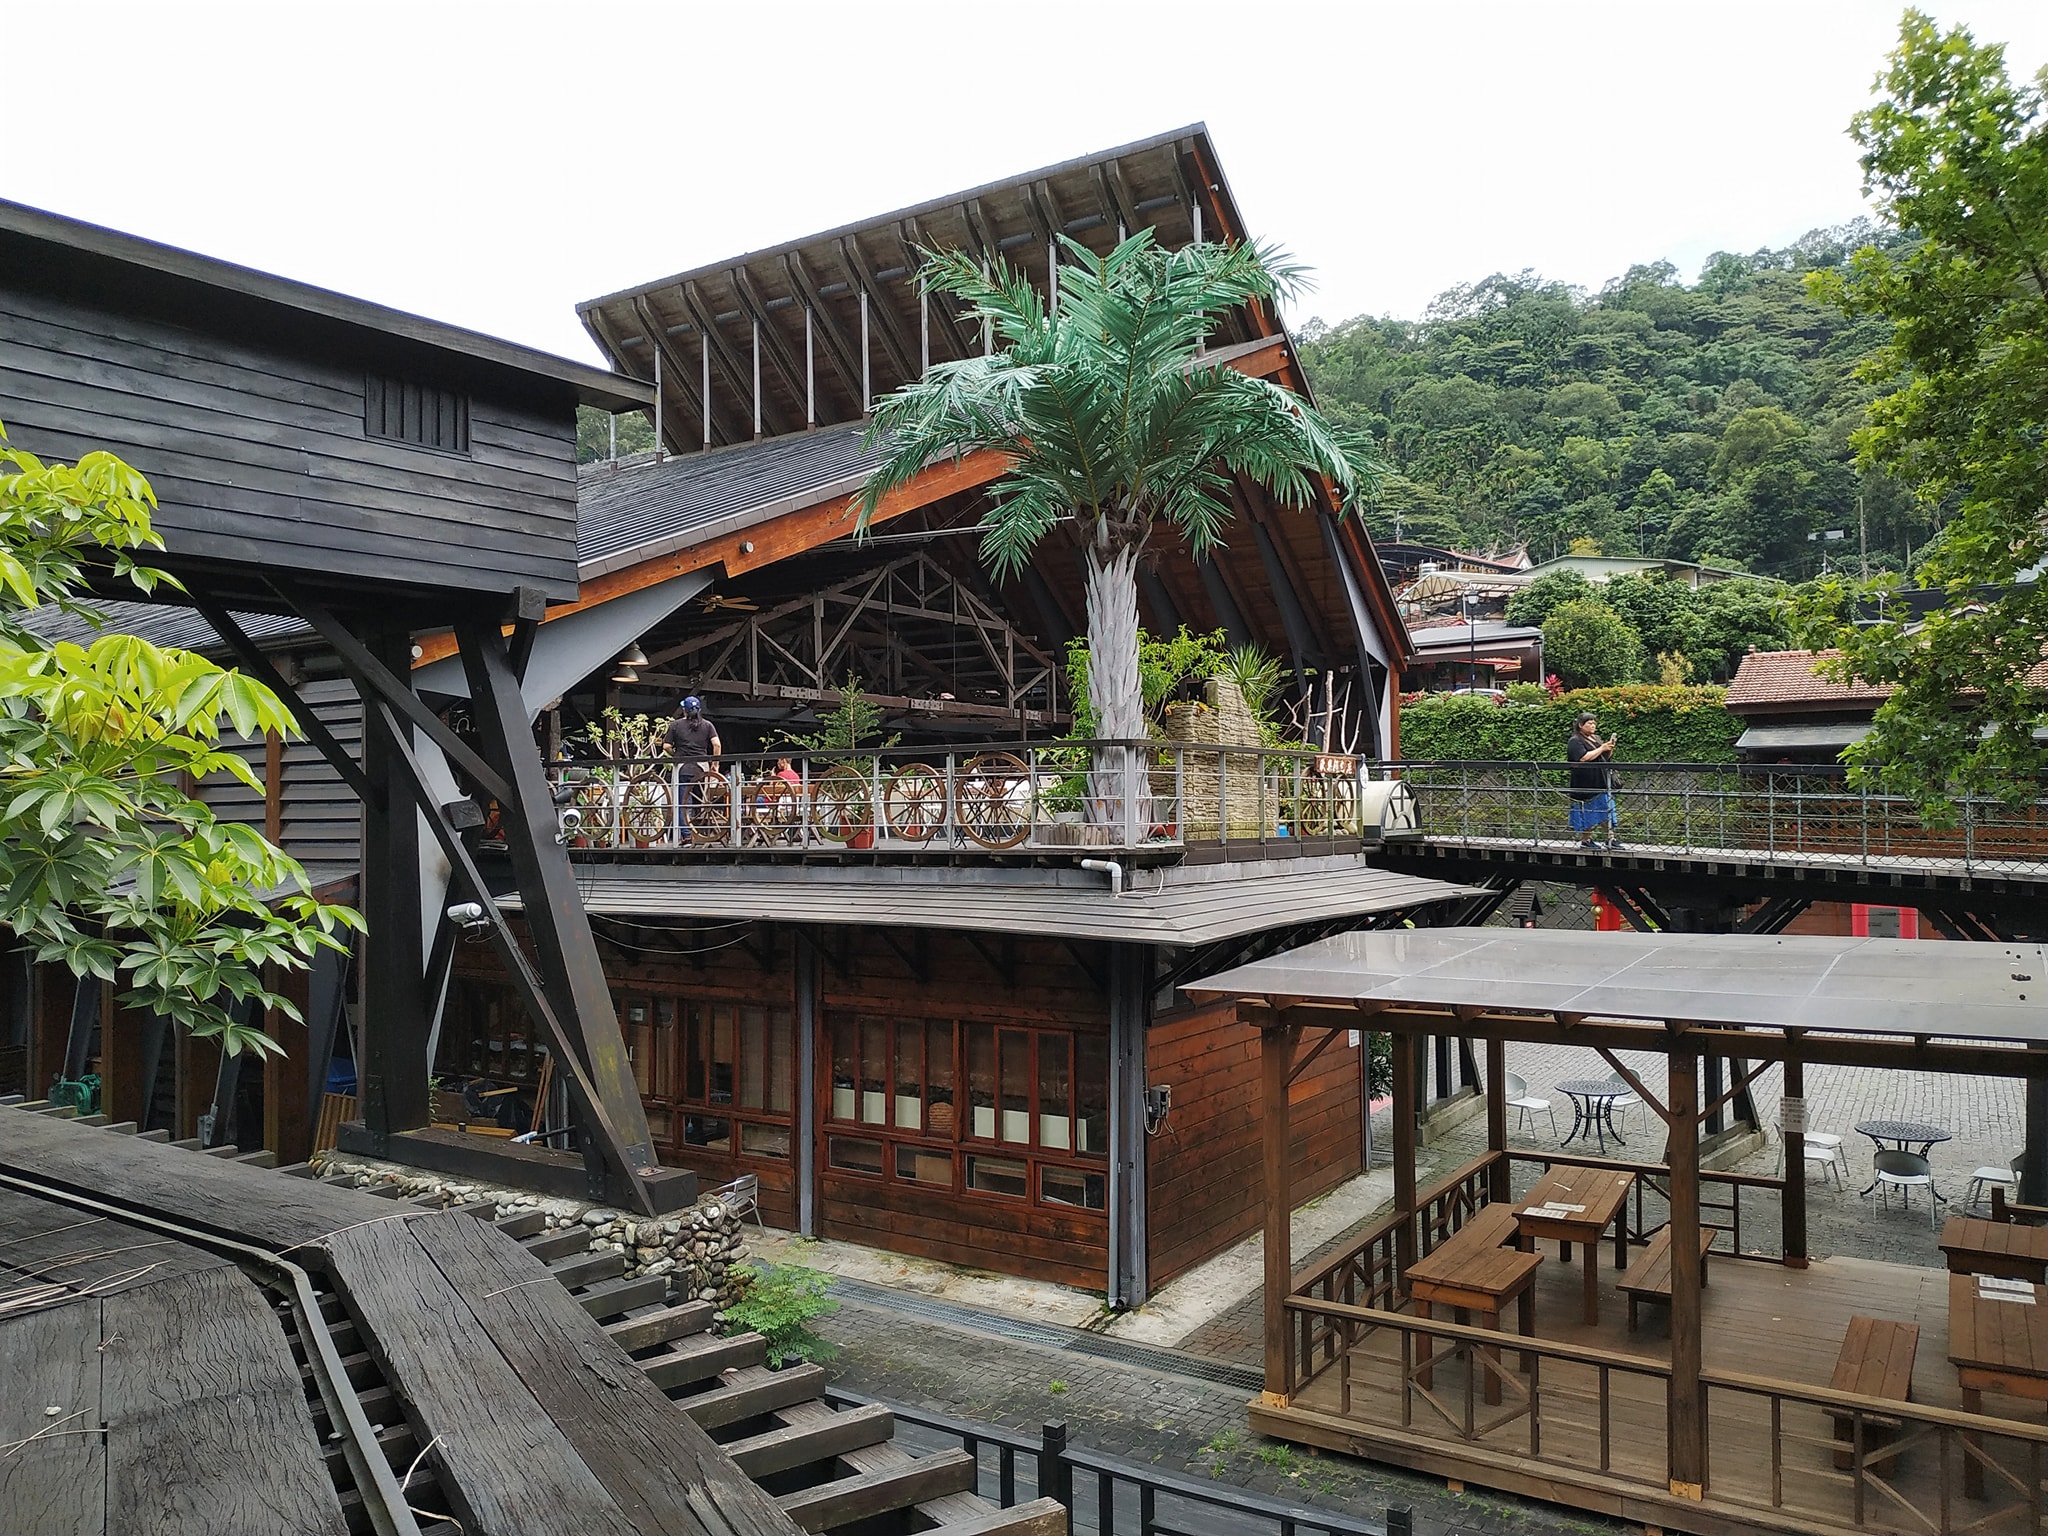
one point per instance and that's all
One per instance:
(1379, 1063)
(780, 1302)
(850, 725)
(106, 862)
(1167, 666)
(1056, 1388)
(1702, 421)
(1256, 674)
(1537, 601)
(1650, 724)
(619, 736)
(1528, 693)
(594, 430)
(1588, 645)
(1956, 151)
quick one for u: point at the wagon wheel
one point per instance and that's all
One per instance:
(841, 803)
(773, 809)
(710, 800)
(644, 811)
(594, 800)
(1315, 808)
(914, 802)
(995, 797)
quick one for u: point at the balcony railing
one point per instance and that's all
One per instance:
(1017, 797)
(1783, 810)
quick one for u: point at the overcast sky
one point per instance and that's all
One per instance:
(491, 164)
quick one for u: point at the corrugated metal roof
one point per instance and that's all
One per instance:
(1187, 904)
(639, 511)
(1867, 986)
(1784, 738)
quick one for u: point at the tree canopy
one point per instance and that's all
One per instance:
(107, 863)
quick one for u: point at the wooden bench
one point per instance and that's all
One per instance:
(1491, 1226)
(1876, 1361)
(1649, 1278)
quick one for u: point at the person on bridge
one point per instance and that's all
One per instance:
(1592, 783)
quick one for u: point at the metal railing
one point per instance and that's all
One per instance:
(1025, 797)
(1109, 1494)
(1809, 811)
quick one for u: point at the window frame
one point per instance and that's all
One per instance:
(679, 1104)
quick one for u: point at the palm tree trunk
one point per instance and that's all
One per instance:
(1114, 691)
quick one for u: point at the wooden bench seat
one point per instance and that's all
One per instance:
(1649, 1278)
(1876, 1361)
(1491, 1226)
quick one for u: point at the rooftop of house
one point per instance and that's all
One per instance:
(1787, 679)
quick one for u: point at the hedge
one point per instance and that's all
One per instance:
(1651, 723)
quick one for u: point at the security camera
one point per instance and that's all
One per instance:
(467, 914)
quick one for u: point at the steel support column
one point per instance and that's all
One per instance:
(807, 1024)
(392, 1074)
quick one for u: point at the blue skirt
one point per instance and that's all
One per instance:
(1590, 815)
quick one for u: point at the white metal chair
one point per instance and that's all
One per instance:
(1625, 1101)
(1526, 1103)
(1905, 1172)
(1822, 1147)
(742, 1197)
(1984, 1178)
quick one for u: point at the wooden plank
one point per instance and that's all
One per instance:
(507, 1467)
(701, 1358)
(809, 1439)
(753, 1391)
(55, 1485)
(523, 1224)
(207, 1423)
(558, 1244)
(660, 1327)
(863, 1495)
(658, 1464)
(63, 1244)
(589, 1268)
(621, 1296)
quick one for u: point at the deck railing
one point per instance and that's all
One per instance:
(1023, 797)
(1723, 1215)
(1591, 1413)
(1784, 809)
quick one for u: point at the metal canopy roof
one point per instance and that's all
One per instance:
(1865, 986)
(1188, 904)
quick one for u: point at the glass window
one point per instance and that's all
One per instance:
(907, 1113)
(845, 1067)
(1073, 1186)
(981, 1080)
(639, 1022)
(874, 1072)
(753, 1057)
(781, 1046)
(1091, 1095)
(938, 1080)
(664, 1067)
(658, 1124)
(997, 1176)
(696, 1049)
(1055, 1093)
(764, 1140)
(1016, 1085)
(925, 1165)
(707, 1131)
(854, 1154)
(722, 1019)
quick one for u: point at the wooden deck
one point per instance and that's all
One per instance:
(1771, 1336)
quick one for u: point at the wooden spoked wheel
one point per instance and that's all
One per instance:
(914, 802)
(594, 800)
(644, 811)
(994, 793)
(842, 805)
(710, 802)
(1315, 807)
(774, 808)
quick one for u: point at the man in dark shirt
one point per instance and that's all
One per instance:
(1592, 783)
(693, 742)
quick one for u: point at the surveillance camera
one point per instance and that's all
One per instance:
(572, 820)
(466, 914)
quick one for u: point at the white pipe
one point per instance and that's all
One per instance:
(1111, 868)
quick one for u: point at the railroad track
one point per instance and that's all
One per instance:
(373, 1383)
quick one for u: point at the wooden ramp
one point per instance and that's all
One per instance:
(526, 1385)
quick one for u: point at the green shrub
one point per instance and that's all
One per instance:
(779, 1303)
(1651, 723)
(1587, 643)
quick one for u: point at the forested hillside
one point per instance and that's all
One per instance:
(1706, 420)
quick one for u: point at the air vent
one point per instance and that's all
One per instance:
(403, 412)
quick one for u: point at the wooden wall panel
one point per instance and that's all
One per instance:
(1203, 1178)
(1012, 1239)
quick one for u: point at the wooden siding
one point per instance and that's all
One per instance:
(1204, 1185)
(322, 821)
(249, 423)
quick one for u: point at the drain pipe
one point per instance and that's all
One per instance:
(1111, 868)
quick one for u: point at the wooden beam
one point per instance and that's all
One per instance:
(844, 353)
(738, 370)
(1685, 1400)
(866, 1495)
(778, 353)
(902, 352)
(1276, 1060)
(1404, 1149)
(676, 374)
(1499, 1174)
(1302, 1064)
(1635, 1083)
(1792, 1199)
(805, 1441)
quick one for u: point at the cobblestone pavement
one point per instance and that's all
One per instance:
(1986, 1117)
(1176, 1423)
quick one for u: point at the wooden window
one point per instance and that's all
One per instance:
(400, 411)
(1034, 1121)
(715, 1074)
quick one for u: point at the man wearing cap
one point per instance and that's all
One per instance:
(693, 742)
(1592, 783)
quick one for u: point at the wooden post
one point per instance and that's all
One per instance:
(809, 1111)
(2034, 1150)
(1498, 1187)
(392, 1073)
(1792, 1201)
(1685, 1401)
(703, 388)
(1276, 1061)
(810, 374)
(1130, 973)
(1406, 1068)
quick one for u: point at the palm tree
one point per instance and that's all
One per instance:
(1113, 424)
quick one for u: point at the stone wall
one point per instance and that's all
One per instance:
(697, 1249)
(1221, 719)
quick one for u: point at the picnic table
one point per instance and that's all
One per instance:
(1593, 1109)
(2005, 1249)
(1576, 1205)
(1471, 1271)
(1997, 1341)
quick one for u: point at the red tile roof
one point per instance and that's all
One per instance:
(1788, 677)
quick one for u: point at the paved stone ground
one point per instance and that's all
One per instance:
(1175, 1423)
(1986, 1116)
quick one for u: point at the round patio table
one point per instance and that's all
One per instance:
(1593, 1109)
(1904, 1135)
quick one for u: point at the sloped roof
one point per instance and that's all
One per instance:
(1786, 678)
